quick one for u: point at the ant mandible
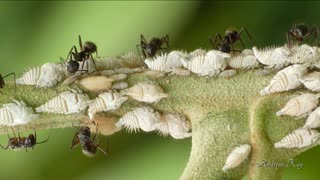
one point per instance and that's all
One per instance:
(22, 142)
(149, 49)
(74, 57)
(231, 36)
(83, 137)
(300, 32)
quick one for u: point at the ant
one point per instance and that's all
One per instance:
(230, 37)
(149, 49)
(86, 51)
(22, 142)
(3, 84)
(83, 137)
(300, 32)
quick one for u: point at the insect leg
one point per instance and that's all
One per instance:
(166, 40)
(247, 32)
(214, 43)
(95, 66)
(14, 77)
(240, 42)
(80, 43)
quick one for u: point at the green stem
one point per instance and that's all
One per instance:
(224, 113)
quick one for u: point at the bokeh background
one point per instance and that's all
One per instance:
(33, 33)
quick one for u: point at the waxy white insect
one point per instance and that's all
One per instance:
(67, 102)
(299, 138)
(118, 77)
(209, 65)
(120, 85)
(107, 72)
(237, 156)
(97, 83)
(107, 63)
(108, 101)
(144, 118)
(198, 52)
(145, 92)
(130, 60)
(245, 60)
(165, 62)
(30, 77)
(175, 125)
(312, 81)
(128, 70)
(228, 73)
(272, 56)
(300, 106)
(304, 54)
(16, 113)
(45, 76)
(313, 121)
(286, 79)
(51, 74)
(180, 72)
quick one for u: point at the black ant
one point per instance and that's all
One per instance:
(231, 36)
(3, 84)
(149, 49)
(22, 142)
(83, 137)
(74, 57)
(300, 32)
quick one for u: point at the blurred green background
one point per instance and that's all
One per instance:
(33, 33)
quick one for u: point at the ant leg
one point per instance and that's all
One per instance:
(14, 134)
(288, 39)
(166, 40)
(95, 65)
(19, 133)
(315, 31)
(247, 32)
(80, 43)
(139, 51)
(70, 52)
(62, 61)
(213, 43)
(142, 38)
(5, 148)
(164, 49)
(14, 77)
(241, 42)
(143, 43)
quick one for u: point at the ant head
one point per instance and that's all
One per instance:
(32, 140)
(224, 47)
(151, 50)
(72, 66)
(90, 47)
(86, 131)
(89, 149)
(299, 31)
